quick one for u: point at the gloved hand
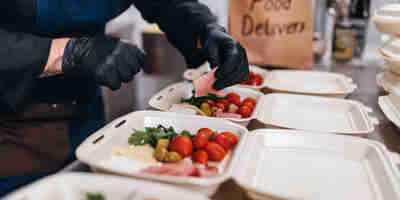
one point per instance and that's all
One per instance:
(227, 54)
(106, 60)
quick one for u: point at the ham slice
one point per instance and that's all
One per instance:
(204, 85)
(228, 115)
(182, 168)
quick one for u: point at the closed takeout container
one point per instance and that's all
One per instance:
(96, 150)
(388, 80)
(387, 19)
(390, 105)
(284, 164)
(295, 81)
(68, 186)
(290, 111)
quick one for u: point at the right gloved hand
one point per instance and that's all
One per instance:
(106, 60)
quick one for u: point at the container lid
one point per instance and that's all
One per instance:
(295, 81)
(390, 50)
(77, 185)
(390, 105)
(318, 114)
(286, 164)
(388, 80)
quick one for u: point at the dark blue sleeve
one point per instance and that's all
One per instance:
(62, 17)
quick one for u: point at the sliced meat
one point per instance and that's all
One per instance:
(228, 115)
(204, 85)
(182, 168)
(203, 171)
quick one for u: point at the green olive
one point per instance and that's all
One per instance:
(172, 157)
(206, 108)
(163, 143)
(160, 154)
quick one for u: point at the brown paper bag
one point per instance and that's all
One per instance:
(274, 32)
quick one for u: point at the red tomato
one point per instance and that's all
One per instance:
(250, 100)
(245, 111)
(223, 141)
(233, 98)
(182, 145)
(248, 104)
(202, 137)
(215, 151)
(220, 106)
(225, 102)
(200, 156)
(258, 79)
(231, 137)
(210, 102)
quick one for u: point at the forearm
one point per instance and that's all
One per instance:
(54, 62)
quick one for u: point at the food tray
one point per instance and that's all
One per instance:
(388, 80)
(283, 164)
(96, 150)
(319, 114)
(68, 186)
(390, 106)
(175, 92)
(293, 81)
(387, 19)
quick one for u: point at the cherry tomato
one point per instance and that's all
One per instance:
(233, 98)
(182, 145)
(210, 102)
(245, 111)
(225, 102)
(248, 104)
(200, 156)
(233, 139)
(251, 100)
(223, 141)
(258, 79)
(215, 151)
(202, 137)
(220, 106)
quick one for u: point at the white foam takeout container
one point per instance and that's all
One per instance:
(68, 186)
(96, 150)
(320, 114)
(388, 80)
(284, 164)
(293, 81)
(268, 164)
(390, 52)
(387, 19)
(390, 105)
(174, 93)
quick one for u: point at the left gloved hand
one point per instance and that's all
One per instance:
(227, 54)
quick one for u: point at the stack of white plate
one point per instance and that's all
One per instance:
(387, 21)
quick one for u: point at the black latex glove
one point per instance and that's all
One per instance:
(227, 54)
(106, 60)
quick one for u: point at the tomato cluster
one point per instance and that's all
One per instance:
(254, 80)
(244, 108)
(206, 145)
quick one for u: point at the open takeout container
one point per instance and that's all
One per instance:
(388, 80)
(68, 186)
(284, 164)
(290, 111)
(390, 52)
(96, 150)
(293, 81)
(174, 93)
(390, 106)
(387, 19)
(268, 164)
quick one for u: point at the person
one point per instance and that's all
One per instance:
(55, 56)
